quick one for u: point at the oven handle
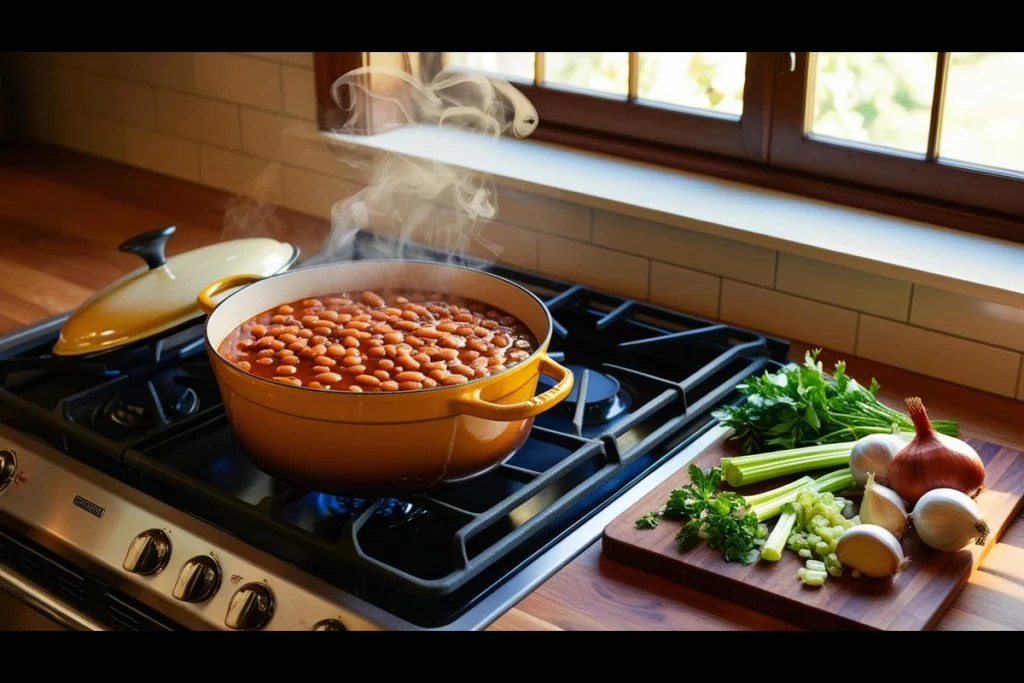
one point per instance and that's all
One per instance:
(46, 603)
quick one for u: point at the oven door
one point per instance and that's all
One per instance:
(25, 606)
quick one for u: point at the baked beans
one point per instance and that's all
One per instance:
(393, 340)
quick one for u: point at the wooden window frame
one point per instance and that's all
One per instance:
(768, 147)
(794, 146)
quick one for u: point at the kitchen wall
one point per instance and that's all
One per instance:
(217, 119)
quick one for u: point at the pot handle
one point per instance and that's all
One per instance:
(475, 406)
(205, 298)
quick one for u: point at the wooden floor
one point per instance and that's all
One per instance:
(62, 216)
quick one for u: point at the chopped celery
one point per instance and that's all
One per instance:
(776, 543)
(813, 578)
(815, 537)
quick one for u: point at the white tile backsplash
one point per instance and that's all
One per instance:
(263, 132)
(294, 58)
(162, 153)
(243, 80)
(313, 193)
(164, 69)
(968, 317)
(240, 174)
(788, 316)
(685, 290)
(117, 100)
(299, 92)
(545, 214)
(605, 269)
(693, 250)
(938, 355)
(518, 246)
(79, 132)
(881, 296)
(199, 119)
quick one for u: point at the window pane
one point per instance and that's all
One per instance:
(702, 80)
(880, 98)
(516, 66)
(984, 109)
(605, 72)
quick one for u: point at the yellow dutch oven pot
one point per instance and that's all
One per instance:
(380, 442)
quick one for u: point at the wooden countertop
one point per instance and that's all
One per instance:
(62, 216)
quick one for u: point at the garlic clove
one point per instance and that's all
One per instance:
(871, 550)
(949, 520)
(883, 507)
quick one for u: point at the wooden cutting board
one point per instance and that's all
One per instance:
(914, 600)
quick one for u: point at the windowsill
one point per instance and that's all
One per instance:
(917, 252)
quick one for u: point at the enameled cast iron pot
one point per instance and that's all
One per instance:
(380, 442)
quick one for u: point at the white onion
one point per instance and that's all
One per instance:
(949, 520)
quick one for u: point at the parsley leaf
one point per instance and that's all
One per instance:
(721, 517)
(801, 405)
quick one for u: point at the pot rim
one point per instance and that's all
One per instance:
(541, 349)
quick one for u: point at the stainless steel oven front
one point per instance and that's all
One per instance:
(25, 606)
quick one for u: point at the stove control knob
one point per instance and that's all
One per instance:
(198, 580)
(328, 625)
(8, 468)
(148, 553)
(251, 607)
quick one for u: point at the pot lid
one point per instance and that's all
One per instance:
(162, 294)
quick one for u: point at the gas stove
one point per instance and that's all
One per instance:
(126, 503)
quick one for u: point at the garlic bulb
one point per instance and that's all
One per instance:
(871, 550)
(947, 519)
(873, 453)
(883, 507)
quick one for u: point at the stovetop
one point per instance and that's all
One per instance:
(151, 417)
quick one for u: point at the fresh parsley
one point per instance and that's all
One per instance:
(722, 518)
(802, 406)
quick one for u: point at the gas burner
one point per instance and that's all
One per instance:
(390, 512)
(141, 406)
(605, 398)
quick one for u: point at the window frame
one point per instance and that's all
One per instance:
(794, 147)
(767, 148)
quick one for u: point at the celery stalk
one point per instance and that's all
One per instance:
(834, 482)
(840, 480)
(738, 475)
(759, 498)
(776, 543)
(769, 509)
(743, 461)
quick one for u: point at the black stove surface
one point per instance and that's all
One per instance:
(647, 379)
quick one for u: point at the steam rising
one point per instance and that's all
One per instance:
(409, 201)
(415, 199)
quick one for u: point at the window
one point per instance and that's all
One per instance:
(932, 136)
